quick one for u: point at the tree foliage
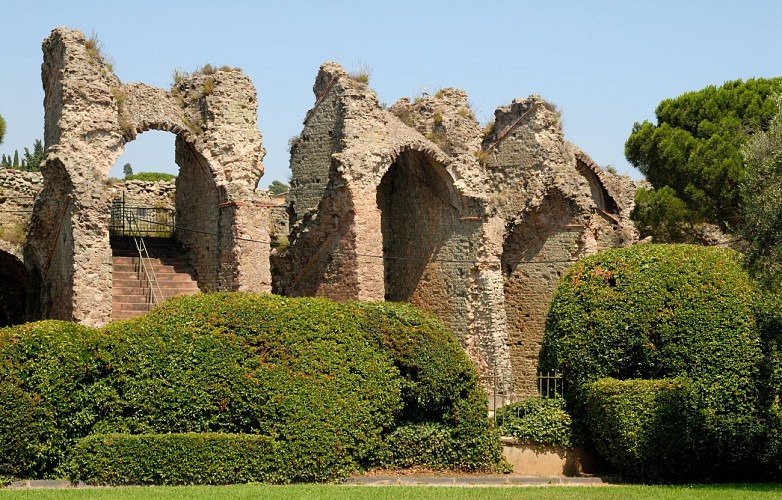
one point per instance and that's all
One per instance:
(694, 149)
(2, 129)
(30, 161)
(761, 197)
(278, 188)
(150, 177)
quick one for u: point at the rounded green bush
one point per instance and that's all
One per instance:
(664, 311)
(327, 382)
(534, 420)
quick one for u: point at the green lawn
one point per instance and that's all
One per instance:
(412, 492)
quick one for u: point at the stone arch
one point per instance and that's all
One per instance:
(90, 115)
(600, 196)
(419, 212)
(537, 249)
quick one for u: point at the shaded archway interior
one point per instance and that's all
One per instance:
(14, 289)
(418, 212)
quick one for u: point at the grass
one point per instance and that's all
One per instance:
(309, 491)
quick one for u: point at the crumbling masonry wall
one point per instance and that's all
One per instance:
(411, 203)
(89, 116)
(415, 203)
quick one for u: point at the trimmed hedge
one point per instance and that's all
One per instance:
(174, 459)
(534, 420)
(327, 382)
(660, 312)
(651, 430)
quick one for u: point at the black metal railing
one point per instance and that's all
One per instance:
(148, 221)
(504, 392)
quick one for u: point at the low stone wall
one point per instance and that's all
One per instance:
(542, 460)
(159, 194)
(18, 190)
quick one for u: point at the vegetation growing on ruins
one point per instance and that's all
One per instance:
(673, 343)
(694, 150)
(95, 52)
(488, 128)
(123, 119)
(361, 74)
(332, 388)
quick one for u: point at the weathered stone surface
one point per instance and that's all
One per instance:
(414, 204)
(411, 203)
(89, 117)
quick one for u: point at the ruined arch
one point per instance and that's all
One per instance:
(419, 211)
(89, 117)
(537, 249)
(600, 196)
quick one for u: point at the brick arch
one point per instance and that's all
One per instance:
(419, 211)
(89, 116)
(537, 249)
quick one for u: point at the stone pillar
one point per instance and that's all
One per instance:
(246, 244)
(487, 339)
(368, 244)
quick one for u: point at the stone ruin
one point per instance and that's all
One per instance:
(410, 203)
(89, 117)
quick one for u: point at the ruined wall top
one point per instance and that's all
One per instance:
(91, 114)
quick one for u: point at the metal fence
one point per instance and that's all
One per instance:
(501, 393)
(148, 221)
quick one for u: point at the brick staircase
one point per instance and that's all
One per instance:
(130, 294)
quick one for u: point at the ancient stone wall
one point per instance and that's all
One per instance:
(412, 203)
(18, 190)
(415, 204)
(89, 116)
(17, 193)
(159, 194)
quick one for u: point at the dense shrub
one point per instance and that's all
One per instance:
(439, 386)
(150, 177)
(535, 420)
(51, 390)
(320, 379)
(651, 430)
(665, 311)
(117, 459)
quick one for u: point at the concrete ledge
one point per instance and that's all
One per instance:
(546, 461)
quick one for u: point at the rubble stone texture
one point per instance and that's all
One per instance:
(411, 203)
(89, 116)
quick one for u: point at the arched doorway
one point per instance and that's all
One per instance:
(419, 212)
(165, 234)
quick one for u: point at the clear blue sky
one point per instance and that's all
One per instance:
(606, 64)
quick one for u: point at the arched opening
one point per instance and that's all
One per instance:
(600, 195)
(14, 290)
(179, 221)
(536, 252)
(418, 216)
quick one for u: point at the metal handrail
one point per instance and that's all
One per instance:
(155, 292)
